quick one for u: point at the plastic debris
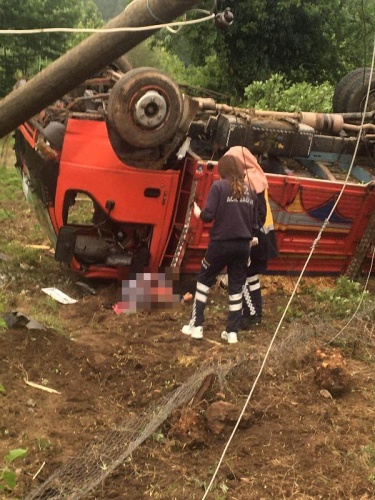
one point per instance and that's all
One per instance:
(58, 295)
(17, 319)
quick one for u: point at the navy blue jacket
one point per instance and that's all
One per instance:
(232, 219)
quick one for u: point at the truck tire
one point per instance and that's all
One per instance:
(145, 108)
(351, 91)
(357, 97)
(342, 88)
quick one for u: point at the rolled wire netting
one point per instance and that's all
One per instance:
(98, 459)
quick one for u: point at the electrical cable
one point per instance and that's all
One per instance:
(315, 242)
(360, 300)
(174, 31)
(207, 17)
(201, 11)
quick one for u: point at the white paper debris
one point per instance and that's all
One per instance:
(59, 296)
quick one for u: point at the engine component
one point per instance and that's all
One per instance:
(275, 137)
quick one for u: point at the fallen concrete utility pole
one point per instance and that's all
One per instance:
(84, 60)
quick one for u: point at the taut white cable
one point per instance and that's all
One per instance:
(360, 301)
(294, 291)
(106, 30)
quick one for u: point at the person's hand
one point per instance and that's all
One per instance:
(196, 210)
(254, 242)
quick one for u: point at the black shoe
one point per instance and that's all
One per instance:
(249, 321)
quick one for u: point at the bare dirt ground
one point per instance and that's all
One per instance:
(297, 440)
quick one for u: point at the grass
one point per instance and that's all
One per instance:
(24, 270)
(317, 315)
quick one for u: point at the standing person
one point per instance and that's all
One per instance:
(231, 205)
(266, 248)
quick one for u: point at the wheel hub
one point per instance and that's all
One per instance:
(150, 110)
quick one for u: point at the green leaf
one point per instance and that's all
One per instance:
(7, 479)
(13, 454)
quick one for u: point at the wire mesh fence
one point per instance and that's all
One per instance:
(100, 458)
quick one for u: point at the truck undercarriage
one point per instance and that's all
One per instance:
(114, 167)
(113, 159)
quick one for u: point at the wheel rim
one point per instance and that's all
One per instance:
(150, 109)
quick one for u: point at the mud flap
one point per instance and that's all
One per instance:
(66, 242)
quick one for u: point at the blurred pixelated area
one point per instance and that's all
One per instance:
(149, 291)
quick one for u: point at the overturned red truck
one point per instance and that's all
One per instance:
(114, 166)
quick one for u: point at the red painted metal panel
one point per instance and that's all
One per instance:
(300, 207)
(88, 164)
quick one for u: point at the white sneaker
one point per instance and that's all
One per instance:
(230, 337)
(196, 332)
(186, 329)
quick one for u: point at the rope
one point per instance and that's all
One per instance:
(360, 301)
(109, 30)
(295, 289)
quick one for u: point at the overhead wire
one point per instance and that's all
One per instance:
(360, 300)
(315, 242)
(207, 17)
(202, 11)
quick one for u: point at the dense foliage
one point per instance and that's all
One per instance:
(279, 94)
(26, 54)
(310, 40)
(270, 46)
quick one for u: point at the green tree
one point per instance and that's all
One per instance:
(311, 40)
(27, 54)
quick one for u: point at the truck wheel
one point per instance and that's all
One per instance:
(357, 98)
(342, 88)
(350, 93)
(145, 108)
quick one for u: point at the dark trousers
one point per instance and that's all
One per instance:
(232, 254)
